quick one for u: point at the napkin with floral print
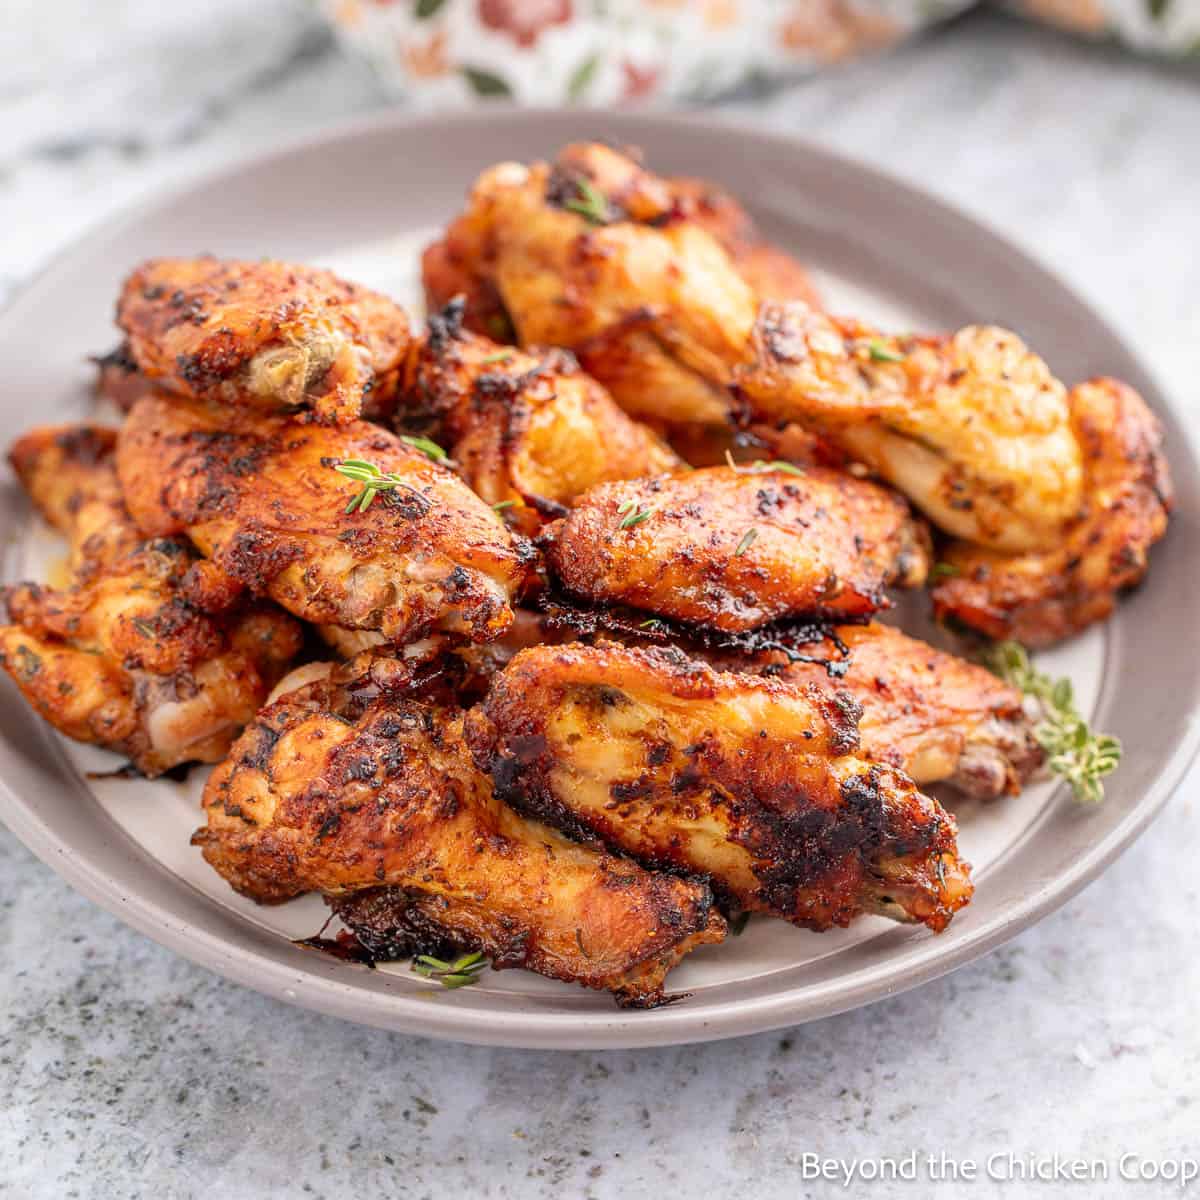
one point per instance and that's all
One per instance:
(445, 53)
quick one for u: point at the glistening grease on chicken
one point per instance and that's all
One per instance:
(352, 786)
(261, 497)
(147, 651)
(751, 783)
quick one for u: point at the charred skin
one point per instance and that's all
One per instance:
(148, 652)
(934, 716)
(266, 335)
(348, 785)
(1041, 598)
(751, 783)
(527, 431)
(972, 427)
(734, 549)
(259, 496)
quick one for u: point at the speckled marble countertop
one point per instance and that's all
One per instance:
(125, 1071)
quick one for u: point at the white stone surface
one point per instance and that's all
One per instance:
(125, 1071)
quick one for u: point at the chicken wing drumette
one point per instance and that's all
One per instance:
(265, 335)
(350, 786)
(973, 427)
(734, 548)
(1041, 597)
(529, 432)
(260, 496)
(148, 652)
(753, 783)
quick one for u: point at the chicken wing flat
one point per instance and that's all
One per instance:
(1040, 598)
(349, 786)
(267, 335)
(259, 495)
(935, 716)
(735, 548)
(148, 652)
(449, 267)
(530, 432)
(750, 782)
(972, 427)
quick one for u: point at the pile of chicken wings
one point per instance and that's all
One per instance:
(547, 632)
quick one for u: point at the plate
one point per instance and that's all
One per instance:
(362, 199)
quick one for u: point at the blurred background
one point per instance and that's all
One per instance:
(1073, 126)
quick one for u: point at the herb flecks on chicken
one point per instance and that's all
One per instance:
(735, 548)
(752, 783)
(529, 431)
(972, 427)
(267, 335)
(148, 651)
(261, 497)
(351, 784)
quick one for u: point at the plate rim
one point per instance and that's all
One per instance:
(338, 995)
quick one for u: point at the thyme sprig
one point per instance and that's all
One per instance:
(590, 203)
(761, 466)
(462, 972)
(1074, 752)
(880, 352)
(427, 446)
(632, 513)
(374, 481)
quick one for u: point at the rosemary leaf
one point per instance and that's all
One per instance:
(746, 542)
(590, 203)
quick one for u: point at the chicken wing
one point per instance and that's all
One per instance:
(750, 782)
(735, 548)
(935, 716)
(449, 268)
(530, 432)
(266, 335)
(972, 427)
(349, 785)
(259, 495)
(148, 652)
(1041, 597)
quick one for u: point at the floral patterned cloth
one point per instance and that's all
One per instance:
(443, 53)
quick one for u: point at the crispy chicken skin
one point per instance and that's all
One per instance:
(449, 269)
(258, 495)
(1041, 598)
(935, 716)
(751, 782)
(973, 427)
(527, 431)
(265, 335)
(148, 652)
(735, 548)
(348, 785)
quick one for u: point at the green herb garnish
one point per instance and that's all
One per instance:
(943, 570)
(374, 481)
(746, 542)
(650, 623)
(427, 446)
(1073, 751)
(501, 505)
(502, 356)
(462, 972)
(760, 466)
(590, 203)
(881, 353)
(631, 513)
